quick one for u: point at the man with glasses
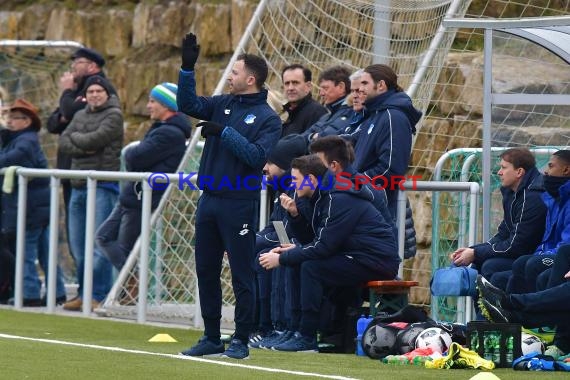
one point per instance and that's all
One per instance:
(85, 63)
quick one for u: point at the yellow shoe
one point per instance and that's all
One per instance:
(73, 305)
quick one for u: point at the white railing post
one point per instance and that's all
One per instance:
(144, 252)
(53, 240)
(89, 245)
(20, 241)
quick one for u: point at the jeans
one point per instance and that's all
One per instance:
(118, 234)
(102, 268)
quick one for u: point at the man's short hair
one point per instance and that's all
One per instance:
(335, 148)
(309, 164)
(519, 158)
(380, 72)
(307, 74)
(337, 74)
(563, 155)
(256, 66)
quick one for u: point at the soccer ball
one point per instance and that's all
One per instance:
(531, 343)
(406, 339)
(378, 340)
(435, 338)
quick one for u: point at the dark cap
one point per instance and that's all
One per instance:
(288, 148)
(97, 79)
(89, 54)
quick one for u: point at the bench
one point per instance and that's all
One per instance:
(398, 291)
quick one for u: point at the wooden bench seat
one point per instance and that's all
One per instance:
(398, 291)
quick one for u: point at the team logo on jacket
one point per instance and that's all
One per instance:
(226, 111)
(244, 230)
(249, 119)
(370, 128)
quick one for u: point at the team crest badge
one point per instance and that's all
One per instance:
(249, 119)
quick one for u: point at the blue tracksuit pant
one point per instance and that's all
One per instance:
(226, 225)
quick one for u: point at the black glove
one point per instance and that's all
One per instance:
(190, 52)
(209, 128)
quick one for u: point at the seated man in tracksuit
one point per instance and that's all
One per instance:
(548, 307)
(528, 269)
(353, 244)
(272, 313)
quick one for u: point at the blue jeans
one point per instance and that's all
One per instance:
(102, 268)
(37, 248)
(118, 234)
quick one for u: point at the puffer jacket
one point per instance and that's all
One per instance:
(94, 138)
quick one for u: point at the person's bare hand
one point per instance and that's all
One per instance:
(67, 82)
(288, 204)
(463, 256)
(269, 260)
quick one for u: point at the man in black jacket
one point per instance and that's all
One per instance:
(85, 63)
(303, 111)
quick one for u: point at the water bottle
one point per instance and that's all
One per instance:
(474, 342)
(497, 349)
(396, 359)
(510, 350)
(419, 360)
(361, 325)
(488, 345)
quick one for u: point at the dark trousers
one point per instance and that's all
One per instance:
(549, 307)
(334, 271)
(226, 225)
(526, 270)
(117, 235)
(273, 307)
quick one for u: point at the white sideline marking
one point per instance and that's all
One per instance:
(172, 356)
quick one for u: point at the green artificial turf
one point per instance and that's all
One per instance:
(25, 359)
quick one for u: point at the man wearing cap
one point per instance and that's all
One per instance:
(85, 63)
(272, 300)
(94, 140)
(240, 130)
(160, 151)
(21, 147)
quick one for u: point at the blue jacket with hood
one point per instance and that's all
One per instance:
(346, 223)
(557, 228)
(231, 165)
(384, 142)
(160, 151)
(333, 123)
(522, 228)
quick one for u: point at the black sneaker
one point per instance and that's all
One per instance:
(205, 347)
(491, 293)
(236, 350)
(494, 313)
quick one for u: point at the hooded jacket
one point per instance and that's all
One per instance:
(384, 142)
(237, 157)
(160, 151)
(346, 223)
(94, 138)
(557, 228)
(22, 148)
(522, 228)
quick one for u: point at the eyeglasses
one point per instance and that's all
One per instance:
(77, 62)
(18, 117)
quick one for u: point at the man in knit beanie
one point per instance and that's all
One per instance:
(160, 150)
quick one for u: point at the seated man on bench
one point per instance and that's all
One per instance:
(353, 244)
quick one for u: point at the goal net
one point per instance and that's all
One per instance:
(442, 71)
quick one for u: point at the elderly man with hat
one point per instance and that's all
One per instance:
(160, 151)
(21, 147)
(85, 63)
